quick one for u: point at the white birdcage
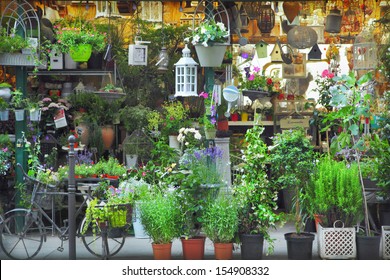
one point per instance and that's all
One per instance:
(365, 51)
(186, 75)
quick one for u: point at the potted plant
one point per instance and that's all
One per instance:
(175, 117)
(196, 179)
(160, 215)
(4, 111)
(220, 223)
(18, 102)
(34, 110)
(353, 98)
(257, 198)
(110, 168)
(335, 195)
(210, 39)
(78, 37)
(255, 84)
(140, 189)
(292, 162)
(5, 91)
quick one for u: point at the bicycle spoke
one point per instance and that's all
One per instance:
(21, 235)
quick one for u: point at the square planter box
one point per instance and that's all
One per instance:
(386, 242)
(16, 59)
(337, 243)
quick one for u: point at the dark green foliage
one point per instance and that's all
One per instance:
(336, 192)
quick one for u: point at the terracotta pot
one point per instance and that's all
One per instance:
(223, 251)
(193, 248)
(162, 251)
(108, 135)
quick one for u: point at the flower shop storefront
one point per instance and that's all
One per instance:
(157, 129)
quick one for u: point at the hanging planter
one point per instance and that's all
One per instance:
(211, 56)
(81, 53)
(19, 114)
(35, 115)
(210, 133)
(4, 115)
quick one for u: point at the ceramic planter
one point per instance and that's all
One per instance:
(19, 114)
(35, 115)
(210, 133)
(4, 115)
(211, 56)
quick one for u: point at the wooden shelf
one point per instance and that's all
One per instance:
(65, 72)
(249, 123)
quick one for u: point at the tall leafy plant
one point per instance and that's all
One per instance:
(335, 192)
(292, 163)
(352, 99)
(256, 198)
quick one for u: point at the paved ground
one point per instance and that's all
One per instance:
(141, 249)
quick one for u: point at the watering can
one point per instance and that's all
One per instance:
(230, 94)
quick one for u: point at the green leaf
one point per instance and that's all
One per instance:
(339, 99)
(354, 129)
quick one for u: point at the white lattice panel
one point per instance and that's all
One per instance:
(386, 242)
(337, 243)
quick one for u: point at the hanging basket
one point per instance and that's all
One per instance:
(35, 115)
(211, 56)
(4, 115)
(81, 53)
(19, 114)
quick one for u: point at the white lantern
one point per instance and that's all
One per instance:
(186, 75)
(138, 54)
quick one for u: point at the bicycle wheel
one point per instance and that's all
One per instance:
(21, 235)
(95, 243)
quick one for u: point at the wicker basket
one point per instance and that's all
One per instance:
(386, 242)
(42, 196)
(337, 243)
(121, 215)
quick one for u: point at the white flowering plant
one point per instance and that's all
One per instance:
(189, 138)
(262, 106)
(208, 33)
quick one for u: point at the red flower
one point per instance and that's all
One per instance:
(269, 81)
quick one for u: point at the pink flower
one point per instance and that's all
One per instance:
(203, 94)
(143, 174)
(251, 77)
(256, 69)
(327, 74)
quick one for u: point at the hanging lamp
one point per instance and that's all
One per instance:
(266, 20)
(186, 75)
(163, 57)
